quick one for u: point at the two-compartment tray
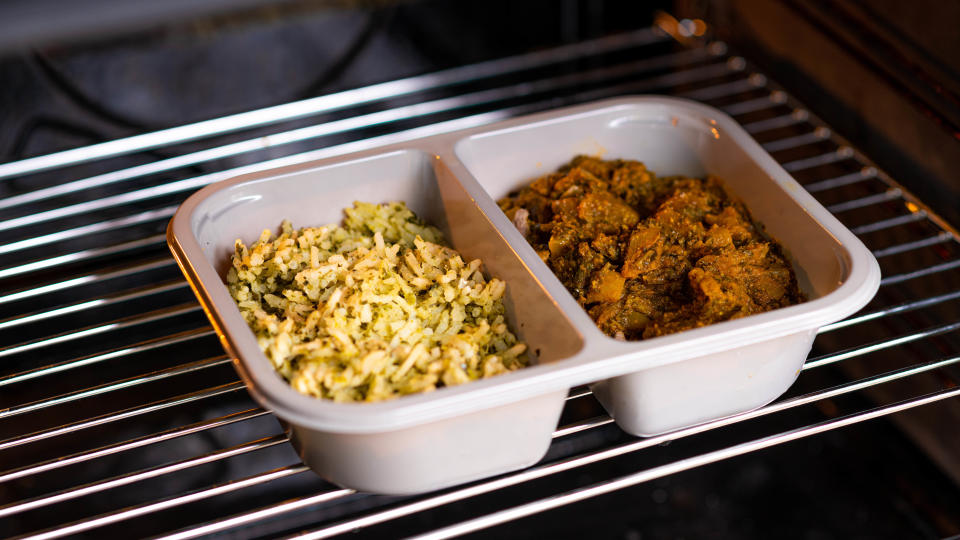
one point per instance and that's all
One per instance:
(453, 435)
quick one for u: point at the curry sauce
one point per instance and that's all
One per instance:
(648, 255)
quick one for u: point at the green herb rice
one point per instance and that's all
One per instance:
(371, 310)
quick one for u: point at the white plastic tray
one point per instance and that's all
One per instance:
(423, 442)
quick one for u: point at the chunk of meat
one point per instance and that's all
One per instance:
(733, 221)
(588, 261)
(648, 255)
(565, 209)
(641, 250)
(605, 286)
(563, 239)
(521, 220)
(608, 246)
(600, 168)
(607, 212)
(537, 205)
(577, 182)
(633, 183)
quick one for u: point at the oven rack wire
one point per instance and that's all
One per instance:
(120, 412)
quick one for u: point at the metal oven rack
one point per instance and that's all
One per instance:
(120, 414)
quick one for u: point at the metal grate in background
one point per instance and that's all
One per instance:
(120, 414)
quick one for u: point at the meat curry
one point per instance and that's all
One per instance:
(648, 255)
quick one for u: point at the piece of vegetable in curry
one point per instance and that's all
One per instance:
(648, 255)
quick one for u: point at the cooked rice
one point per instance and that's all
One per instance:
(372, 310)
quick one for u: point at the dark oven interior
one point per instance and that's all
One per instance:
(121, 415)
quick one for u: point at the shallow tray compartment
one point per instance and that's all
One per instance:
(414, 443)
(678, 380)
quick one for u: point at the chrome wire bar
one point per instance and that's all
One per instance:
(123, 384)
(80, 232)
(888, 195)
(129, 478)
(795, 117)
(50, 369)
(541, 471)
(349, 124)
(866, 173)
(818, 361)
(331, 102)
(567, 464)
(88, 279)
(912, 217)
(582, 425)
(80, 256)
(99, 302)
(595, 490)
(788, 143)
(264, 513)
(119, 324)
(155, 406)
(899, 278)
(407, 112)
(754, 105)
(893, 310)
(840, 154)
(796, 141)
(33, 224)
(704, 72)
(170, 502)
(111, 449)
(940, 238)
